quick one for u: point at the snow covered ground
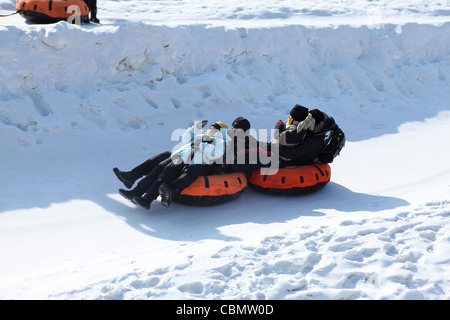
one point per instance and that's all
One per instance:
(76, 101)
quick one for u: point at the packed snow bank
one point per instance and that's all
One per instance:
(136, 75)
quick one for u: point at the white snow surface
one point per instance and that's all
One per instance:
(76, 101)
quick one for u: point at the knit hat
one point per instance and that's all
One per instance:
(218, 125)
(317, 115)
(241, 123)
(299, 113)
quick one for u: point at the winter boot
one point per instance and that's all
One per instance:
(130, 194)
(145, 201)
(127, 177)
(166, 195)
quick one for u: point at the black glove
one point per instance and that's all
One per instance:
(201, 124)
(280, 125)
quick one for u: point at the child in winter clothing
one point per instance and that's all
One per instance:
(199, 147)
(303, 137)
(300, 121)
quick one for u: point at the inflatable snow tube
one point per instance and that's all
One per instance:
(50, 11)
(292, 180)
(213, 189)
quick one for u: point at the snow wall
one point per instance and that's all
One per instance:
(137, 76)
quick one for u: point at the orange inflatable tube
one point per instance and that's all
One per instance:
(50, 11)
(214, 189)
(294, 180)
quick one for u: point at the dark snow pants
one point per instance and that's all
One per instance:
(146, 167)
(151, 169)
(170, 172)
(92, 5)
